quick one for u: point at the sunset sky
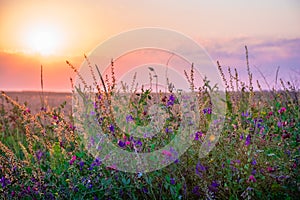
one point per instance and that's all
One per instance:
(35, 33)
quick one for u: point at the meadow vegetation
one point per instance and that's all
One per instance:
(257, 156)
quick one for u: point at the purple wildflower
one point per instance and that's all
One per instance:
(248, 140)
(172, 181)
(168, 130)
(112, 128)
(200, 168)
(253, 162)
(214, 186)
(96, 162)
(245, 114)
(81, 164)
(196, 190)
(138, 143)
(207, 111)
(198, 135)
(4, 182)
(129, 118)
(241, 136)
(121, 143)
(39, 155)
(171, 100)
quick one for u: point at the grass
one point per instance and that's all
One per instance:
(45, 155)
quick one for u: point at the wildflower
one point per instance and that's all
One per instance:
(96, 162)
(212, 137)
(129, 118)
(253, 162)
(168, 130)
(127, 143)
(270, 113)
(114, 167)
(253, 171)
(72, 127)
(95, 105)
(196, 190)
(138, 143)
(198, 135)
(171, 100)
(112, 128)
(200, 168)
(207, 111)
(245, 114)
(81, 164)
(72, 160)
(172, 181)
(166, 152)
(39, 155)
(251, 179)
(248, 140)
(281, 110)
(242, 136)
(214, 186)
(270, 169)
(27, 111)
(121, 143)
(4, 182)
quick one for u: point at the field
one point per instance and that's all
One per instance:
(45, 152)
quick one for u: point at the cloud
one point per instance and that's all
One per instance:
(265, 55)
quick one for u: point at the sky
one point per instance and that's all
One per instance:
(35, 33)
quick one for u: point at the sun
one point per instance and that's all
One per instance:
(44, 40)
